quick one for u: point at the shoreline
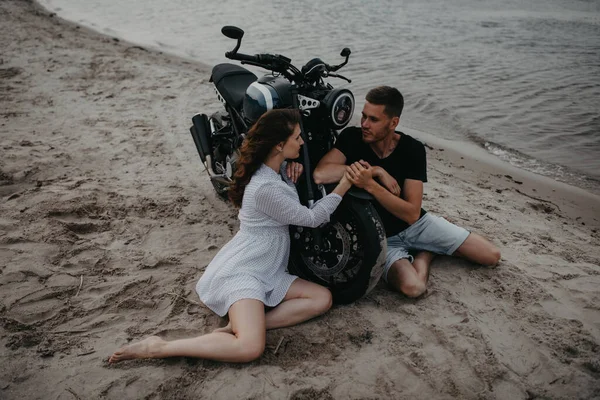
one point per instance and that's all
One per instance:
(39, 7)
(107, 221)
(587, 183)
(579, 204)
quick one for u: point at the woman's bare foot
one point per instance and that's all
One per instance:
(225, 329)
(147, 348)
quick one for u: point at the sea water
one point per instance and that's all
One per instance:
(521, 79)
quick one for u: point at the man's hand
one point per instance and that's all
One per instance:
(388, 181)
(294, 170)
(359, 175)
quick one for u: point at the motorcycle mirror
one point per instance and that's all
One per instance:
(345, 53)
(232, 32)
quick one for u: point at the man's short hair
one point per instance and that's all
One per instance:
(389, 97)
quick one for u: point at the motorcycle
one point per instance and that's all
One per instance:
(348, 253)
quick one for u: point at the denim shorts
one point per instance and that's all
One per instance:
(431, 233)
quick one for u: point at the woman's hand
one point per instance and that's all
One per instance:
(343, 185)
(345, 181)
(294, 170)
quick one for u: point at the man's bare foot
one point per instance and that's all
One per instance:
(147, 348)
(225, 329)
(428, 292)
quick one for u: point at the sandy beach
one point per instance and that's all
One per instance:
(107, 220)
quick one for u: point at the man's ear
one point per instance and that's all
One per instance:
(394, 122)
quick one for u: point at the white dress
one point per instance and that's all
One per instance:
(253, 265)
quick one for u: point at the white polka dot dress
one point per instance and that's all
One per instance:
(253, 265)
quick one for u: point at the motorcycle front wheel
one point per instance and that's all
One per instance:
(347, 255)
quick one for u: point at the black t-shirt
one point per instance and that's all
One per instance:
(407, 161)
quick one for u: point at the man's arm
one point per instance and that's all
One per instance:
(330, 168)
(407, 209)
(385, 179)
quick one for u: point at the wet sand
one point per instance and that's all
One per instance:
(107, 221)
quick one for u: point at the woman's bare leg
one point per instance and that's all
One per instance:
(304, 300)
(245, 343)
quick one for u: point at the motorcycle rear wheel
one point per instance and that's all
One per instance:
(347, 255)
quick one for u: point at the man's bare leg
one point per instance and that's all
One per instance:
(478, 250)
(411, 279)
(422, 263)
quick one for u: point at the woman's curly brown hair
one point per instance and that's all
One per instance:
(272, 128)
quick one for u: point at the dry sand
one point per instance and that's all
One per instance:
(107, 221)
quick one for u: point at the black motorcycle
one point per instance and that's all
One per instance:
(347, 254)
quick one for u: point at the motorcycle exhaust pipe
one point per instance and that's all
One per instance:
(200, 131)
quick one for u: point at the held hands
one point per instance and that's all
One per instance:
(294, 170)
(361, 174)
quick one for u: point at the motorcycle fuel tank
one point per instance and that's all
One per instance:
(266, 93)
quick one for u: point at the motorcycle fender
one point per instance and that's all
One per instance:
(360, 194)
(200, 131)
(355, 192)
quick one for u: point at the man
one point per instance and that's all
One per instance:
(391, 166)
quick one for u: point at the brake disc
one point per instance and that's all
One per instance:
(318, 263)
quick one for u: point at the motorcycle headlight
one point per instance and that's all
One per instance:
(340, 107)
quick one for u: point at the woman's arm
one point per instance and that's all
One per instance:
(275, 202)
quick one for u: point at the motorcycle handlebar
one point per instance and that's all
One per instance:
(276, 63)
(241, 57)
(279, 63)
(262, 59)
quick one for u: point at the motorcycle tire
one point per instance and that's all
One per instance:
(347, 255)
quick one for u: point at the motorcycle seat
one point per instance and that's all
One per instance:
(232, 81)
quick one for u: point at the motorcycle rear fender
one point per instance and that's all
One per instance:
(201, 134)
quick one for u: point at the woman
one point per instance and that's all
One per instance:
(249, 272)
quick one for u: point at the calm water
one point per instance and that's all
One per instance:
(520, 78)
